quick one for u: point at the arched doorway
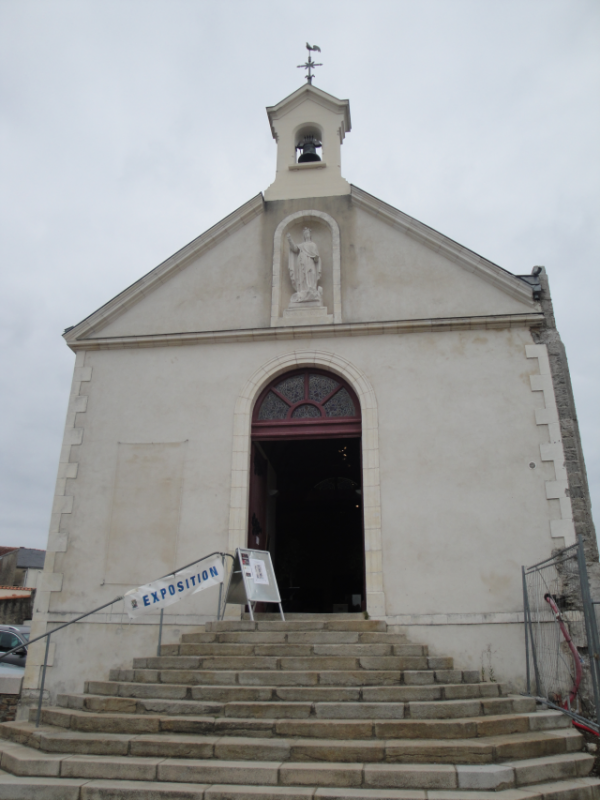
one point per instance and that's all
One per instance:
(306, 490)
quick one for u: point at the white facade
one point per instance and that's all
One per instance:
(463, 470)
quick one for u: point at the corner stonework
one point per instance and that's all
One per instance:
(62, 507)
(557, 489)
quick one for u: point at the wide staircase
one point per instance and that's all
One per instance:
(307, 708)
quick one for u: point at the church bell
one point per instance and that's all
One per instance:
(308, 145)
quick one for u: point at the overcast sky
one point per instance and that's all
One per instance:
(129, 127)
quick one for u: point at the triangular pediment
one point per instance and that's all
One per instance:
(390, 267)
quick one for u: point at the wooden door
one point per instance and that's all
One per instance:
(257, 527)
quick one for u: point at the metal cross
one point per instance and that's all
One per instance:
(310, 63)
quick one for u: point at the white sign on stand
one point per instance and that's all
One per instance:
(253, 580)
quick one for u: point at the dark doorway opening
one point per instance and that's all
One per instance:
(314, 522)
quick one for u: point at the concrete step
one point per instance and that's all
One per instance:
(277, 771)
(294, 709)
(224, 694)
(294, 637)
(325, 624)
(302, 727)
(52, 742)
(292, 616)
(298, 677)
(291, 650)
(315, 662)
(17, 788)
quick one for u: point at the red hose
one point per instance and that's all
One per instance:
(585, 728)
(576, 657)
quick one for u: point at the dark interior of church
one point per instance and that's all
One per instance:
(315, 529)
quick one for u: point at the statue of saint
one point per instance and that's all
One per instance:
(305, 269)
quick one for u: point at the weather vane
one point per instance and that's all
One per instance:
(310, 63)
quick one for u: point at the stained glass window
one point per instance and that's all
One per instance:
(273, 407)
(340, 405)
(285, 399)
(292, 388)
(319, 386)
(305, 411)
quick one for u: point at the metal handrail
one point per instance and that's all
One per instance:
(48, 634)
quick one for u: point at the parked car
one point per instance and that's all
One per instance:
(12, 636)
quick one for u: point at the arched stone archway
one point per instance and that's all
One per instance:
(238, 515)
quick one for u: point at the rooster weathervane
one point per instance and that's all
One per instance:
(310, 64)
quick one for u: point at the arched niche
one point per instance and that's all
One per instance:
(326, 234)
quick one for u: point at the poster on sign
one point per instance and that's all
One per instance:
(161, 593)
(259, 573)
(253, 580)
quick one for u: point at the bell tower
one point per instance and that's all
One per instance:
(309, 127)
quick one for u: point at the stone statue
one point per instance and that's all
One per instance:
(305, 270)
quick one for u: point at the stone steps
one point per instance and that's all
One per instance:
(313, 728)
(23, 761)
(298, 677)
(309, 663)
(326, 623)
(287, 650)
(294, 709)
(225, 694)
(310, 707)
(16, 788)
(294, 637)
(228, 745)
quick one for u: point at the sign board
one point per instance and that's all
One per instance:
(253, 580)
(161, 593)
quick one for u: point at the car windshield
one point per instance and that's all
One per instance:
(25, 635)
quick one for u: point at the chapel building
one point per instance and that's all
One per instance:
(324, 377)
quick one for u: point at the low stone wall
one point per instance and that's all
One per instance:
(10, 694)
(15, 610)
(8, 707)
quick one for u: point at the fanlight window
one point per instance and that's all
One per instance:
(306, 397)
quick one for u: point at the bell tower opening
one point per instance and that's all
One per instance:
(309, 141)
(306, 491)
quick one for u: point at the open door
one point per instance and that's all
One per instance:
(306, 491)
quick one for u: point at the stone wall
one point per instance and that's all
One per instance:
(15, 610)
(8, 707)
(8, 566)
(569, 426)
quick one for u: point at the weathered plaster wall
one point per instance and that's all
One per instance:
(461, 507)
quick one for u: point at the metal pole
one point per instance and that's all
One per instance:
(39, 709)
(532, 640)
(160, 624)
(60, 627)
(221, 587)
(591, 628)
(525, 604)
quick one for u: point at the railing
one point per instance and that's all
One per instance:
(106, 605)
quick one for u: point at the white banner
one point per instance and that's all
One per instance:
(166, 591)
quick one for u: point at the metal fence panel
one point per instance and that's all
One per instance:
(561, 634)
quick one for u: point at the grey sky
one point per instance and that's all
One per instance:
(129, 127)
